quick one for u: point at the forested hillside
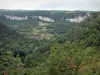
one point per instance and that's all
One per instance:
(87, 32)
(72, 49)
(7, 33)
(42, 24)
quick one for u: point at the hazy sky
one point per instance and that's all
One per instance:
(51, 4)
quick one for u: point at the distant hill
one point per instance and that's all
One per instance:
(43, 24)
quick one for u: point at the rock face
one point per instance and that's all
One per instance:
(15, 17)
(48, 16)
(45, 19)
(42, 24)
(78, 19)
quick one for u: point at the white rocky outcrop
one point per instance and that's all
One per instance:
(47, 19)
(16, 17)
(42, 24)
(77, 19)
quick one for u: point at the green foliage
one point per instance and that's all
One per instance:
(75, 52)
(67, 59)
